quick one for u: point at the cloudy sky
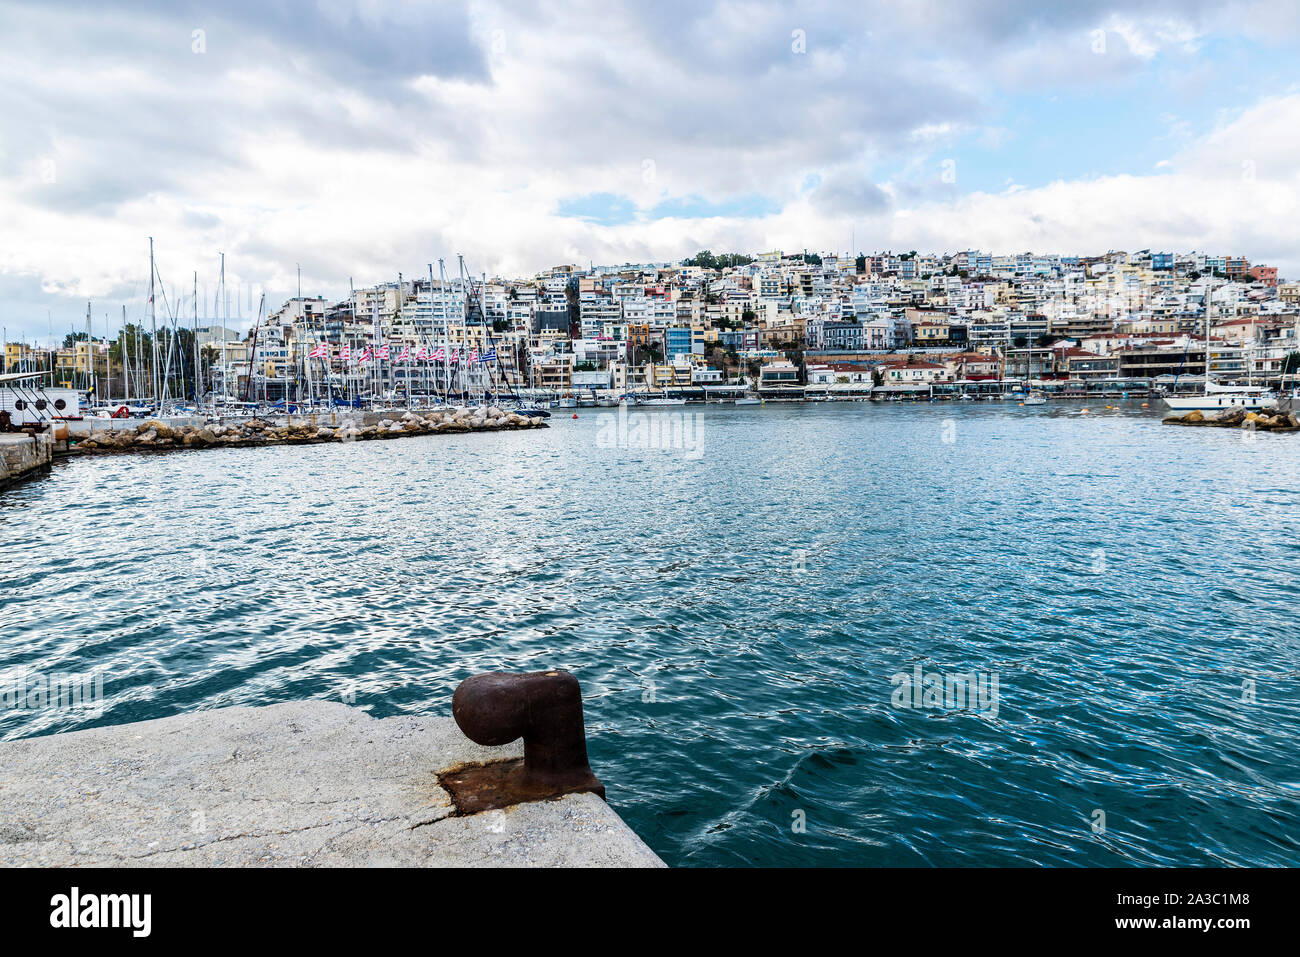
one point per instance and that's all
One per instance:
(363, 139)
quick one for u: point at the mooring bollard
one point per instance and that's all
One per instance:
(542, 707)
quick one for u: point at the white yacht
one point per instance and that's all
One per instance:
(1217, 397)
(661, 400)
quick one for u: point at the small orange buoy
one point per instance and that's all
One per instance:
(1085, 411)
(575, 415)
(1144, 405)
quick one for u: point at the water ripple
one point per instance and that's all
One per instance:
(736, 617)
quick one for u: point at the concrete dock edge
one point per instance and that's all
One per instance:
(22, 455)
(300, 784)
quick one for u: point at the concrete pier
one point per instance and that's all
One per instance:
(21, 454)
(313, 783)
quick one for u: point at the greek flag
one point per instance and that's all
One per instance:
(488, 356)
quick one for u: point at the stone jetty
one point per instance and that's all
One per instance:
(156, 435)
(1266, 420)
(23, 454)
(299, 784)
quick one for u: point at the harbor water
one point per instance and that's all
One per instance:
(758, 602)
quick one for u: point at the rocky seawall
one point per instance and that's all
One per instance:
(1266, 420)
(156, 435)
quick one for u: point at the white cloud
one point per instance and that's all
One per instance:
(376, 138)
(1147, 39)
(1236, 190)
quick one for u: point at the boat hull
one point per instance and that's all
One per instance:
(1216, 403)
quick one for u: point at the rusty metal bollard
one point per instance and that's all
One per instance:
(542, 707)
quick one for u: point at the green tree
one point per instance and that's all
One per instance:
(705, 259)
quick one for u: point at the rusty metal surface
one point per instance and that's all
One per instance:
(542, 707)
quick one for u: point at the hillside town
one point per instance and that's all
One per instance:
(775, 325)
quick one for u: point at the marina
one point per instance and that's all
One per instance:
(732, 437)
(735, 615)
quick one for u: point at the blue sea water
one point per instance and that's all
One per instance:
(739, 606)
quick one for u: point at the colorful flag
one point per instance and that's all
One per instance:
(345, 352)
(488, 356)
(382, 352)
(473, 356)
(422, 355)
(365, 356)
(455, 355)
(438, 356)
(322, 351)
(406, 355)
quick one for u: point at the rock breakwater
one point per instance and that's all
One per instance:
(1265, 420)
(155, 434)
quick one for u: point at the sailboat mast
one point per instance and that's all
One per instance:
(430, 315)
(469, 369)
(446, 332)
(198, 366)
(374, 334)
(349, 379)
(1250, 368)
(223, 312)
(141, 391)
(90, 354)
(399, 325)
(1207, 349)
(153, 322)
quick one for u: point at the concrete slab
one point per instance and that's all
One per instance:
(311, 783)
